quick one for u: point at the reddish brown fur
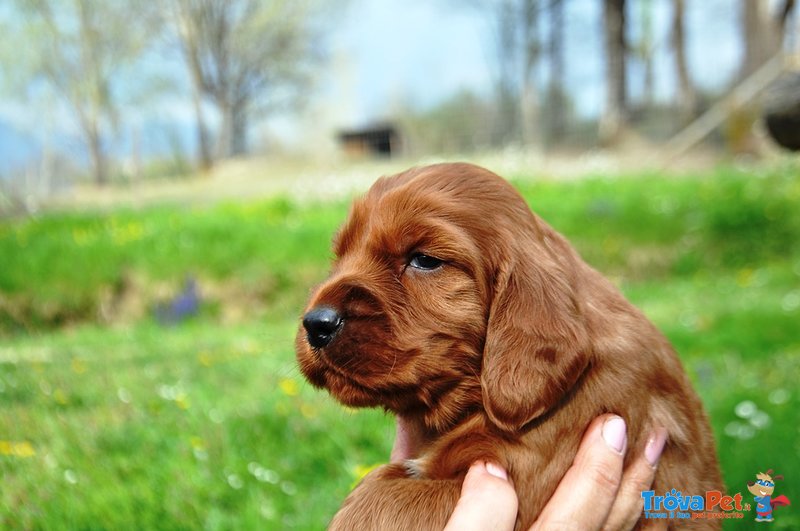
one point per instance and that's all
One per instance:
(506, 353)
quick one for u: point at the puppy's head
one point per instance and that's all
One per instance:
(446, 295)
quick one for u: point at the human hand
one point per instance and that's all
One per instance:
(593, 494)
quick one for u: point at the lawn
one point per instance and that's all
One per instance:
(112, 419)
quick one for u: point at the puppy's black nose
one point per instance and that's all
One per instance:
(321, 325)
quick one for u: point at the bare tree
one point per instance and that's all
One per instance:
(763, 31)
(646, 49)
(785, 10)
(687, 95)
(244, 55)
(77, 49)
(556, 91)
(505, 17)
(783, 15)
(531, 50)
(190, 47)
(614, 117)
(518, 48)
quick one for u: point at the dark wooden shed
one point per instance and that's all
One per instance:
(375, 141)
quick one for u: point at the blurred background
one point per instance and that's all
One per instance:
(171, 174)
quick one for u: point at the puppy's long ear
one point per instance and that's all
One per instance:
(536, 343)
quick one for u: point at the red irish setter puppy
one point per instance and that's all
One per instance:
(455, 307)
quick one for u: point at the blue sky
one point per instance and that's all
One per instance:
(415, 51)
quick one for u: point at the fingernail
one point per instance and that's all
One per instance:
(497, 471)
(614, 434)
(655, 445)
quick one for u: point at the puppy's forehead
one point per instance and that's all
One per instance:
(400, 205)
(394, 222)
(443, 199)
(441, 189)
(456, 180)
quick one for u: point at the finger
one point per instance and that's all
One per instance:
(638, 477)
(488, 501)
(586, 494)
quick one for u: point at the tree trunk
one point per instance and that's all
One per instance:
(529, 95)
(783, 16)
(762, 37)
(556, 94)
(646, 48)
(786, 10)
(239, 133)
(507, 126)
(612, 122)
(687, 95)
(97, 155)
(225, 130)
(191, 53)
(204, 155)
(233, 130)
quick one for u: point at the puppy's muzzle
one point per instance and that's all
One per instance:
(322, 324)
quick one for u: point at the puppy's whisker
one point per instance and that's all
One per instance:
(394, 362)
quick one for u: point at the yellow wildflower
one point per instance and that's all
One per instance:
(359, 471)
(205, 359)
(289, 387)
(60, 396)
(78, 366)
(17, 448)
(182, 401)
(308, 411)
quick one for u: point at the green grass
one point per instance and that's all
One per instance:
(181, 428)
(58, 266)
(209, 425)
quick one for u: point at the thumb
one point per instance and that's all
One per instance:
(488, 500)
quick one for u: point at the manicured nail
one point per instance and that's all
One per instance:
(614, 434)
(496, 470)
(655, 445)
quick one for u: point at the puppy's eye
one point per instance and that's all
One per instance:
(425, 262)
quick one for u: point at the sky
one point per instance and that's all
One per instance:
(387, 55)
(388, 52)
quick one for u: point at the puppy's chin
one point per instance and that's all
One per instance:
(323, 374)
(346, 390)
